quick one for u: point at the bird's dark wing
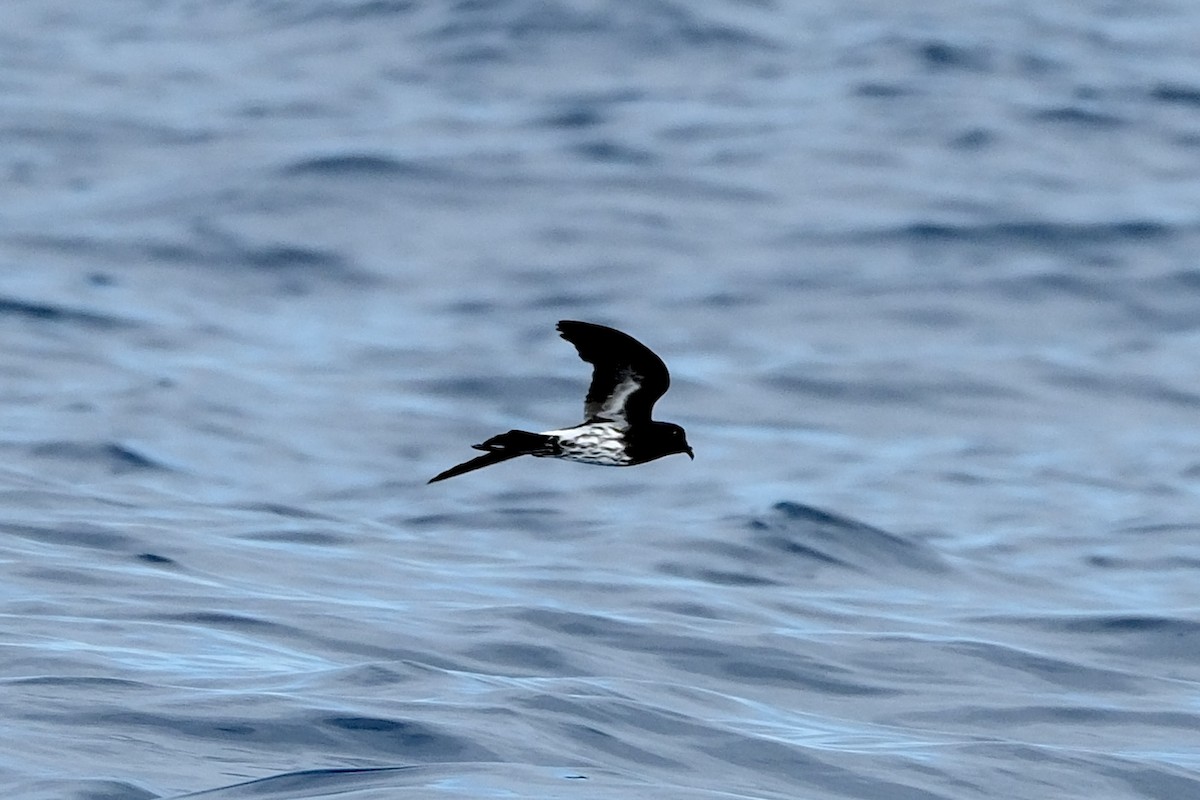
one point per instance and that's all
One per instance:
(627, 378)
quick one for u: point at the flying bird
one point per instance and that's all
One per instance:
(617, 431)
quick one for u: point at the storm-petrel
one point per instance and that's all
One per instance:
(627, 379)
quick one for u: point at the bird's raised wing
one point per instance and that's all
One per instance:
(627, 377)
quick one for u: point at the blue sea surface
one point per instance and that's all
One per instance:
(926, 278)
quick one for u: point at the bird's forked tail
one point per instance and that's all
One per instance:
(502, 448)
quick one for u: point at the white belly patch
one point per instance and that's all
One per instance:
(598, 443)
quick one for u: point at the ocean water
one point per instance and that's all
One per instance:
(926, 278)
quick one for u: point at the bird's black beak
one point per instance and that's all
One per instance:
(691, 455)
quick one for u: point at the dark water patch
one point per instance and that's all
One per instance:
(765, 666)
(1186, 139)
(716, 132)
(115, 457)
(77, 535)
(307, 783)
(112, 790)
(283, 510)
(403, 739)
(1141, 636)
(525, 512)
(536, 659)
(372, 675)
(291, 257)
(757, 665)
(526, 497)
(877, 391)
(1177, 94)
(472, 307)
(943, 55)
(594, 740)
(365, 165)
(795, 544)
(78, 790)
(807, 534)
(55, 313)
(333, 734)
(1157, 784)
(310, 538)
(567, 301)
(1038, 233)
(575, 117)
(729, 300)
(588, 626)
(500, 387)
(430, 521)
(1051, 284)
(207, 247)
(474, 54)
(1139, 387)
(1080, 117)
(972, 139)
(1187, 280)
(1067, 674)
(881, 390)
(91, 132)
(76, 682)
(508, 29)
(694, 610)
(221, 619)
(284, 109)
(663, 184)
(457, 779)
(1016, 717)
(1151, 565)
(279, 733)
(611, 714)
(541, 523)
(75, 578)
(311, 640)
(1163, 528)
(718, 577)
(1178, 628)
(156, 560)
(931, 317)
(882, 91)
(128, 458)
(287, 12)
(607, 151)
(803, 768)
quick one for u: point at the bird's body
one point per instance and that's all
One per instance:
(600, 443)
(627, 379)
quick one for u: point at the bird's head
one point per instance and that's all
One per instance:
(675, 440)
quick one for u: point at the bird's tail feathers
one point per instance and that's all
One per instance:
(486, 460)
(502, 448)
(519, 443)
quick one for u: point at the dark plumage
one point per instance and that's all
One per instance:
(617, 430)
